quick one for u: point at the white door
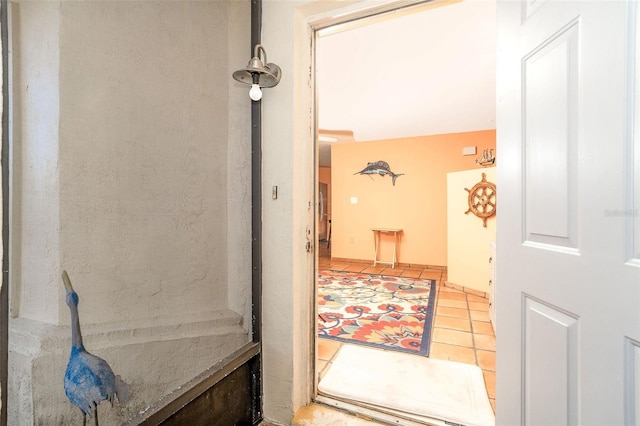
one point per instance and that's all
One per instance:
(568, 275)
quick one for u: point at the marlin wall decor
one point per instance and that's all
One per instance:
(379, 168)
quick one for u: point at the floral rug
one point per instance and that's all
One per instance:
(387, 312)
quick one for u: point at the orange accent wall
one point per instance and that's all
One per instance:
(417, 203)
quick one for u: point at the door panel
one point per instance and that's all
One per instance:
(549, 107)
(568, 297)
(551, 377)
(632, 381)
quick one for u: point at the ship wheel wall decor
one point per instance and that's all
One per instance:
(482, 199)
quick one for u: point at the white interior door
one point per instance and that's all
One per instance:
(568, 298)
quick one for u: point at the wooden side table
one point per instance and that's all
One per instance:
(376, 240)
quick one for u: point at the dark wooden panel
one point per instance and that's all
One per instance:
(229, 402)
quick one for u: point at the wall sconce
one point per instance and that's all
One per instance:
(257, 74)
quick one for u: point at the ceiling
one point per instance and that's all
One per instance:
(427, 72)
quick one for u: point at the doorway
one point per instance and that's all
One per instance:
(460, 330)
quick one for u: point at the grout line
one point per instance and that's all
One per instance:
(473, 333)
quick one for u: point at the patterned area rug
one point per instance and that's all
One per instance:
(387, 312)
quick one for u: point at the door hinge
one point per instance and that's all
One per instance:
(308, 245)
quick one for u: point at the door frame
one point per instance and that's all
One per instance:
(343, 16)
(4, 289)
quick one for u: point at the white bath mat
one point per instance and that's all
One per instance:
(427, 388)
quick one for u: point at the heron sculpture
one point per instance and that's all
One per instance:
(88, 380)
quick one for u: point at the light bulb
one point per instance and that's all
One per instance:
(255, 93)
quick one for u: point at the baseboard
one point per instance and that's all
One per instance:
(467, 290)
(398, 264)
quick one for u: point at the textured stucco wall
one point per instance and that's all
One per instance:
(143, 153)
(124, 132)
(132, 165)
(131, 171)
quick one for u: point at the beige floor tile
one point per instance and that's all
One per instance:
(485, 341)
(453, 323)
(322, 415)
(452, 353)
(479, 306)
(452, 294)
(392, 272)
(374, 269)
(355, 267)
(490, 383)
(327, 349)
(430, 274)
(452, 312)
(321, 368)
(486, 360)
(482, 327)
(453, 337)
(480, 316)
(411, 273)
(451, 303)
(338, 266)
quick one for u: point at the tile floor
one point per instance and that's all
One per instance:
(462, 330)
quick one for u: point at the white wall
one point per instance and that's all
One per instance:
(287, 164)
(467, 238)
(143, 154)
(131, 171)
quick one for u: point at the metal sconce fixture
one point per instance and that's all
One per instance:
(257, 74)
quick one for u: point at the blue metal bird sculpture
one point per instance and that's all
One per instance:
(88, 380)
